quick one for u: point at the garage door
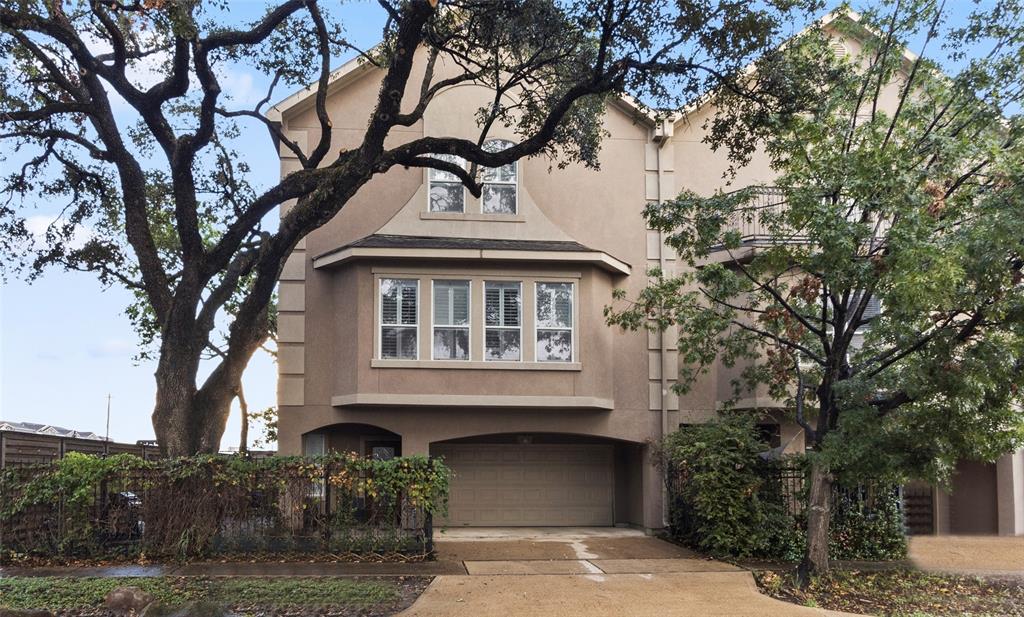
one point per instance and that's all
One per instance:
(529, 485)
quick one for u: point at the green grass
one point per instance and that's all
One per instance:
(81, 593)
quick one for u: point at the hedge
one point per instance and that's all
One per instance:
(122, 505)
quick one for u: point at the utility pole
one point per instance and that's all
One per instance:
(108, 418)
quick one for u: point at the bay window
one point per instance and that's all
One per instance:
(554, 325)
(399, 318)
(502, 320)
(451, 320)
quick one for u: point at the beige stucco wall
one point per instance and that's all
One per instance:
(327, 321)
(330, 325)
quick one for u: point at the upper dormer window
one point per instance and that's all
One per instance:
(500, 184)
(447, 194)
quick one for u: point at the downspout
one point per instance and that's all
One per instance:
(662, 136)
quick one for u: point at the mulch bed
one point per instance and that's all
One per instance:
(900, 593)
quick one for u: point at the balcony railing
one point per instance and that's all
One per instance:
(759, 221)
(751, 219)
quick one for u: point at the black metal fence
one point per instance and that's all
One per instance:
(170, 510)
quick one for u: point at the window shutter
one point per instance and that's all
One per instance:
(511, 305)
(409, 303)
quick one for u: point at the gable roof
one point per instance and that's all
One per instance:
(351, 70)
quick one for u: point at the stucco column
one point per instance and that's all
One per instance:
(414, 444)
(1010, 493)
(289, 432)
(653, 481)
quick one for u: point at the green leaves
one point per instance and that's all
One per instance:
(712, 467)
(71, 508)
(885, 261)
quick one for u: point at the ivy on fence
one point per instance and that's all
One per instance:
(122, 505)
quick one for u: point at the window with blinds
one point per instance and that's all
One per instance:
(446, 191)
(554, 324)
(503, 307)
(499, 184)
(451, 320)
(399, 318)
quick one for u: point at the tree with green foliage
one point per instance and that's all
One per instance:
(149, 166)
(881, 299)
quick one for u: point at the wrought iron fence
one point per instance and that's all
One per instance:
(159, 510)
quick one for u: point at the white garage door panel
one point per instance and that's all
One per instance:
(535, 484)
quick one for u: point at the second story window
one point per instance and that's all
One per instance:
(446, 191)
(399, 318)
(500, 184)
(554, 322)
(451, 320)
(503, 308)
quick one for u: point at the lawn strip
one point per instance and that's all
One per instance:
(245, 595)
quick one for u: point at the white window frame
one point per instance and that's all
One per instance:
(380, 317)
(522, 317)
(514, 183)
(316, 487)
(430, 181)
(469, 315)
(571, 329)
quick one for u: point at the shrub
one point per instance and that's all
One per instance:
(713, 476)
(727, 501)
(867, 524)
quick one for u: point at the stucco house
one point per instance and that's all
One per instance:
(421, 320)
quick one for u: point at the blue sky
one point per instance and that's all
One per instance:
(65, 343)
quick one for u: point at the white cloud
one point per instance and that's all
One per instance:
(39, 224)
(238, 87)
(144, 73)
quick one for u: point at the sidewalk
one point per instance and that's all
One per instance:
(1001, 556)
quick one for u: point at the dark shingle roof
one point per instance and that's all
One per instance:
(385, 241)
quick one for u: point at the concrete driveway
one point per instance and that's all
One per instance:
(549, 572)
(1000, 556)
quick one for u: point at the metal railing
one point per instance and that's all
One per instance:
(159, 512)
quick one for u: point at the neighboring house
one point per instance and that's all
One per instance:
(47, 429)
(421, 320)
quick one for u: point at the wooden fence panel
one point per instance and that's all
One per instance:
(27, 449)
(18, 449)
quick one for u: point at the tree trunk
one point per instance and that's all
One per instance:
(819, 502)
(243, 438)
(190, 420)
(174, 420)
